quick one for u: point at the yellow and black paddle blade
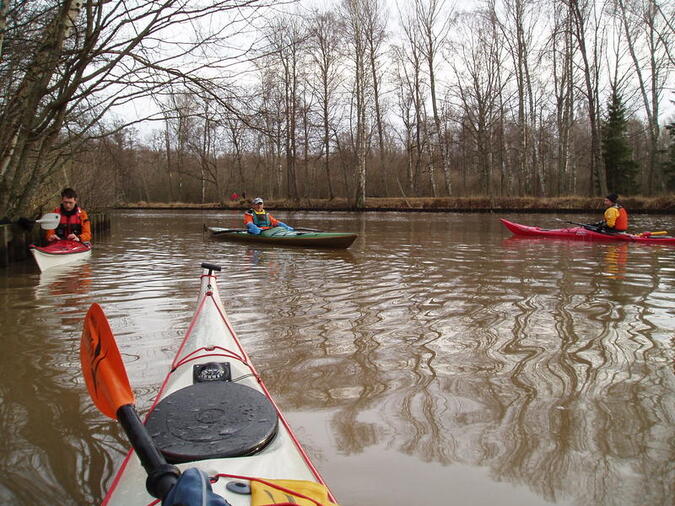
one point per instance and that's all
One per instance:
(102, 365)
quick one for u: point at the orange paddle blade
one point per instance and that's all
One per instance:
(102, 364)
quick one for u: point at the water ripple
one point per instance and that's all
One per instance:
(541, 366)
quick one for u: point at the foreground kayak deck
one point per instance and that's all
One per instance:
(581, 233)
(59, 253)
(232, 430)
(337, 240)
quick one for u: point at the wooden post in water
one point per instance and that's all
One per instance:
(14, 242)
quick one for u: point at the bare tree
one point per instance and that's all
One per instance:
(286, 37)
(64, 67)
(407, 79)
(375, 35)
(433, 21)
(203, 145)
(518, 28)
(410, 61)
(4, 8)
(237, 135)
(586, 27)
(270, 124)
(478, 87)
(562, 58)
(646, 22)
(354, 14)
(325, 52)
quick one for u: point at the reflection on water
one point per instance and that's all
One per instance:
(453, 360)
(615, 260)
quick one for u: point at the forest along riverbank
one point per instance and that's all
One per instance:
(654, 205)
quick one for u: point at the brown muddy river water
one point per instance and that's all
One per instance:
(438, 361)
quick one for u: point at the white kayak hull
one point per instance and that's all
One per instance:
(210, 338)
(60, 253)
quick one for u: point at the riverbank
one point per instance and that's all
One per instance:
(648, 205)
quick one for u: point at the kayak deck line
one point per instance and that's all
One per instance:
(214, 479)
(247, 363)
(205, 322)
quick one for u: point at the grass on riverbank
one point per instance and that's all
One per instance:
(663, 204)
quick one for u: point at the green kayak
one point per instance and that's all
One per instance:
(281, 236)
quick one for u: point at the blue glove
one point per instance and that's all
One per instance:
(283, 225)
(253, 229)
(193, 488)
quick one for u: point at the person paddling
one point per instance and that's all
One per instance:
(74, 223)
(616, 216)
(257, 219)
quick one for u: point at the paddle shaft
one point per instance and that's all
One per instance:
(161, 475)
(585, 225)
(226, 230)
(596, 229)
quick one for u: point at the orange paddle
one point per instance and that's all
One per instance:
(108, 385)
(102, 365)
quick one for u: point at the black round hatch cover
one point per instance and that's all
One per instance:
(212, 420)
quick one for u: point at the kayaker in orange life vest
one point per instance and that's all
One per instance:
(257, 219)
(74, 223)
(616, 216)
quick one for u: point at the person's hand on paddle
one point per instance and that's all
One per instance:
(253, 229)
(73, 237)
(52, 237)
(193, 487)
(287, 227)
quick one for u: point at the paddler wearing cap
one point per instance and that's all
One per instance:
(257, 219)
(616, 216)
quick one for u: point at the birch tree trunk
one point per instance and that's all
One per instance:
(429, 14)
(581, 11)
(642, 19)
(374, 32)
(563, 81)
(325, 48)
(354, 10)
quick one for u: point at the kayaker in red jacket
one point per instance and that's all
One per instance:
(616, 216)
(257, 219)
(74, 223)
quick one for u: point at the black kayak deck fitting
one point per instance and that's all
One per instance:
(211, 420)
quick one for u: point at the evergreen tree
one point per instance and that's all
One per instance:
(617, 154)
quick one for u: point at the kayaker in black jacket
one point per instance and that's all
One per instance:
(615, 217)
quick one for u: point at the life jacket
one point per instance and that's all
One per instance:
(261, 220)
(622, 221)
(70, 222)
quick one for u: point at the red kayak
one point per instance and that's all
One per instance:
(584, 234)
(59, 253)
